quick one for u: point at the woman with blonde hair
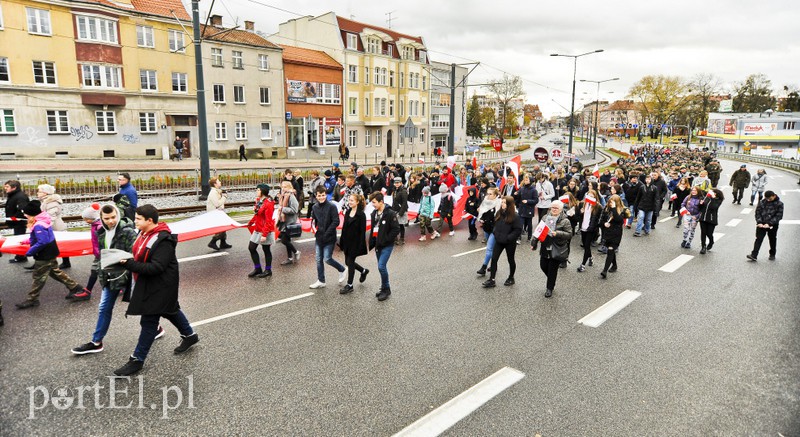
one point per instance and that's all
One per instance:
(216, 202)
(289, 209)
(353, 240)
(590, 216)
(613, 220)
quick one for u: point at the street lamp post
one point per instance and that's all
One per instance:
(596, 111)
(574, 75)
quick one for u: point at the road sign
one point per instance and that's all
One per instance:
(635, 126)
(497, 144)
(649, 126)
(720, 143)
(288, 115)
(557, 155)
(541, 154)
(663, 126)
(747, 143)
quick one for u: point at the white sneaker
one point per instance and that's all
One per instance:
(160, 333)
(435, 235)
(422, 238)
(343, 275)
(317, 285)
(297, 256)
(452, 233)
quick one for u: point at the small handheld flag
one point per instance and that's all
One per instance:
(590, 200)
(684, 211)
(596, 171)
(541, 231)
(673, 197)
(564, 199)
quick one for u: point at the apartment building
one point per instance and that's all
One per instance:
(440, 122)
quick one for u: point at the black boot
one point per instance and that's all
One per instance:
(482, 271)
(703, 250)
(384, 294)
(213, 243)
(255, 272)
(1, 317)
(65, 264)
(223, 243)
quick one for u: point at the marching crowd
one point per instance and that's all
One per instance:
(543, 204)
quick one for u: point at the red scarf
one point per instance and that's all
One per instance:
(142, 241)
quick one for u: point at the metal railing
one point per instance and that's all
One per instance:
(788, 164)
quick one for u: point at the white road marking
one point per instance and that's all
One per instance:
(746, 211)
(482, 249)
(718, 236)
(195, 258)
(676, 263)
(608, 309)
(251, 309)
(666, 219)
(461, 406)
(789, 222)
(783, 192)
(733, 223)
(724, 187)
(774, 177)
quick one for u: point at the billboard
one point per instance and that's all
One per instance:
(726, 105)
(331, 131)
(299, 91)
(730, 126)
(760, 128)
(722, 126)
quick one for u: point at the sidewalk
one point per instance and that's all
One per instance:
(132, 165)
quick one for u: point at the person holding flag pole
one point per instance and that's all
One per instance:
(555, 233)
(546, 192)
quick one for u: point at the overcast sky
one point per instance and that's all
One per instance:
(731, 39)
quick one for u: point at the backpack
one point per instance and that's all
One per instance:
(124, 205)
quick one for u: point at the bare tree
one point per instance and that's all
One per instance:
(658, 98)
(505, 91)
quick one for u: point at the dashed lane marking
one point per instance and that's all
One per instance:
(718, 236)
(746, 211)
(251, 309)
(789, 222)
(733, 223)
(482, 249)
(608, 309)
(675, 264)
(666, 219)
(461, 406)
(195, 258)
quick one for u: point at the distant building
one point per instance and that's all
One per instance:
(95, 79)
(770, 133)
(517, 105)
(440, 107)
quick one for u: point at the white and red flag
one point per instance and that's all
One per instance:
(673, 196)
(596, 171)
(451, 162)
(564, 199)
(541, 231)
(684, 211)
(590, 200)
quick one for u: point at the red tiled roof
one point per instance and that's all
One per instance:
(152, 7)
(298, 55)
(356, 27)
(234, 36)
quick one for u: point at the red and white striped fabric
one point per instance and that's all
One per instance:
(590, 200)
(684, 211)
(673, 196)
(596, 171)
(70, 244)
(564, 199)
(541, 231)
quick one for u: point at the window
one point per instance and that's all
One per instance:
(423, 109)
(402, 80)
(368, 138)
(391, 79)
(402, 105)
(57, 122)
(264, 95)
(422, 136)
(216, 57)
(366, 106)
(266, 130)
(440, 100)
(144, 36)
(424, 82)
(377, 80)
(366, 75)
(179, 82)
(383, 76)
(101, 76)
(329, 93)
(5, 73)
(176, 43)
(352, 106)
(237, 60)
(438, 120)
(96, 29)
(383, 107)
(240, 130)
(238, 94)
(390, 50)
(378, 137)
(220, 130)
(408, 53)
(7, 125)
(148, 80)
(1, 17)
(219, 93)
(38, 21)
(377, 107)
(147, 122)
(352, 41)
(44, 73)
(106, 122)
(787, 125)
(352, 74)
(263, 62)
(423, 56)
(352, 137)
(391, 108)
(372, 45)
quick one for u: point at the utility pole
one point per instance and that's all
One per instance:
(202, 124)
(451, 145)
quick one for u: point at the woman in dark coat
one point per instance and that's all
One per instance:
(353, 240)
(590, 216)
(613, 221)
(560, 233)
(709, 214)
(507, 229)
(528, 197)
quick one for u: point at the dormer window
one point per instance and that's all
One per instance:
(422, 56)
(352, 41)
(408, 53)
(373, 45)
(390, 50)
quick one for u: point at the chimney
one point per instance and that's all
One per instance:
(249, 26)
(216, 20)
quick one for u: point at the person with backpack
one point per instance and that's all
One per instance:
(127, 189)
(385, 230)
(447, 204)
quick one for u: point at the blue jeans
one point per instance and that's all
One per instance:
(489, 248)
(325, 253)
(383, 254)
(645, 220)
(149, 330)
(107, 300)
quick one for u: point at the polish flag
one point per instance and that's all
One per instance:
(541, 231)
(451, 162)
(564, 199)
(461, 204)
(596, 171)
(514, 165)
(590, 200)
(684, 211)
(673, 197)
(474, 163)
(421, 160)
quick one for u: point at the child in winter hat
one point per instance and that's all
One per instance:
(91, 213)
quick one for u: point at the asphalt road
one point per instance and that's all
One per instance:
(710, 349)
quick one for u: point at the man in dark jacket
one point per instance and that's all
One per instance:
(740, 179)
(363, 181)
(126, 188)
(154, 268)
(385, 229)
(646, 202)
(326, 218)
(661, 185)
(768, 213)
(16, 199)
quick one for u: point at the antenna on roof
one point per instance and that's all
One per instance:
(389, 19)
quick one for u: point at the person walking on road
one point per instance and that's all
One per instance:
(353, 240)
(242, 153)
(546, 192)
(288, 215)
(590, 218)
(447, 203)
(714, 170)
(263, 227)
(559, 234)
(178, 143)
(692, 205)
(528, 198)
(486, 217)
(16, 199)
(51, 202)
(740, 179)
(154, 268)
(127, 189)
(426, 215)
(612, 223)
(385, 230)
(759, 182)
(216, 202)
(91, 216)
(769, 213)
(709, 216)
(646, 203)
(681, 192)
(507, 230)
(400, 208)
(44, 250)
(326, 218)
